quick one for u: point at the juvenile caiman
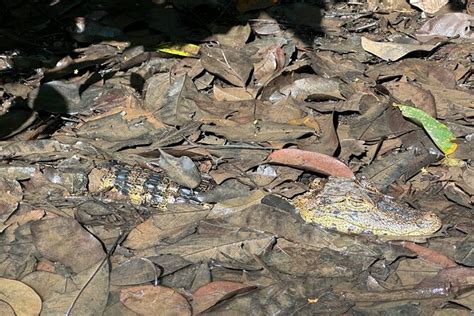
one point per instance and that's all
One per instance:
(341, 204)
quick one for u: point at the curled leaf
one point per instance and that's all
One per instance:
(438, 132)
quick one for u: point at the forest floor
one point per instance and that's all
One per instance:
(237, 158)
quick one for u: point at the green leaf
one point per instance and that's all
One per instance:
(439, 133)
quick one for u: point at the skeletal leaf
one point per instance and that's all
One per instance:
(438, 132)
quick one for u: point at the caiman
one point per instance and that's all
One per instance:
(340, 204)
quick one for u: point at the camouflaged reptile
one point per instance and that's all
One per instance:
(352, 207)
(340, 204)
(138, 185)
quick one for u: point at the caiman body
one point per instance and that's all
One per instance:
(340, 204)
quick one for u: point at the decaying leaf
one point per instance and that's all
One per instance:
(393, 51)
(181, 170)
(261, 132)
(230, 64)
(429, 6)
(64, 240)
(312, 88)
(210, 294)
(87, 296)
(22, 299)
(11, 195)
(311, 161)
(154, 300)
(449, 25)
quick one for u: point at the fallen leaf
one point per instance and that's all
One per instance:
(86, 293)
(11, 195)
(229, 64)
(45, 283)
(183, 50)
(232, 94)
(393, 51)
(312, 88)
(449, 25)
(271, 61)
(154, 301)
(235, 37)
(21, 298)
(212, 293)
(311, 161)
(429, 6)
(181, 170)
(260, 132)
(6, 309)
(136, 270)
(165, 226)
(65, 240)
(438, 132)
(430, 255)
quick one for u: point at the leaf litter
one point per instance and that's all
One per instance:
(151, 154)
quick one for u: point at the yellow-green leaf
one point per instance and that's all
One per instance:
(439, 133)
(184, 50)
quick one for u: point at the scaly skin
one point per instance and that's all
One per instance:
(349, 207)
(342, 204)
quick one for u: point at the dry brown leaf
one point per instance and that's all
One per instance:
(260, 132)
(229, 64)
(430, 255)
(181, 170)
(26, 217)
(235, 37)
(232, 94)
(231, 206)
(389, 5)
(176, 105)
(86, 293)
(212, 293)
(271, 61)
(64, 240)
(169, 225)
(329, 64)
(393, 51)
(45, 283)
(449, 25)
(311, 161)
(21, 298)
(6, 310)
(136, 270)
(312, 88)
(143, 236)
(154, 301)
(429, 6)
(409, 92)
(11, 195)
(219, 243)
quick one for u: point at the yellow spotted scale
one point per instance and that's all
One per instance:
(438, 132)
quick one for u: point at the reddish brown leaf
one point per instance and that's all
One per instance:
(430, 255)
(311, 161)
(65, 240)
(154, 300)
(212, 293)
